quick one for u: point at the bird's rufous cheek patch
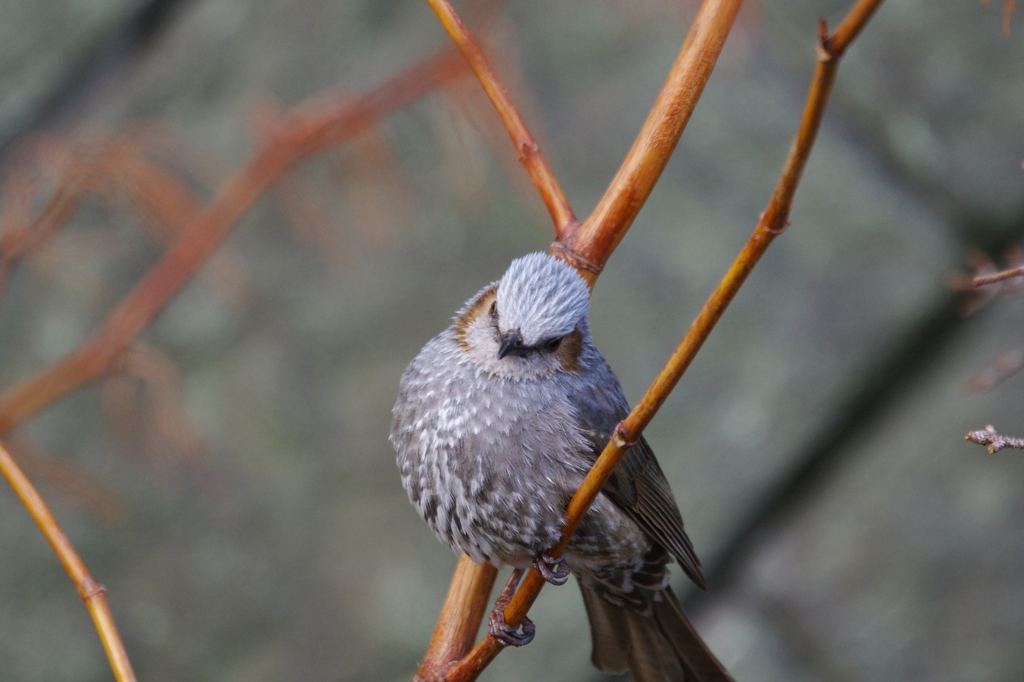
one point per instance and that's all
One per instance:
(481, 306)
(568, 352)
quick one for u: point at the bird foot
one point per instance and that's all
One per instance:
(499, 627)
(555, 571)
(508, 635)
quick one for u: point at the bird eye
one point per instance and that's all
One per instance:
(551, 345)
(494, 308)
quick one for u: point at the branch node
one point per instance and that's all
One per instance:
(90, 589)
(825, 50)
(778, 223)
(527, 148)
(560, 250)
(822, 30)
(622, 439)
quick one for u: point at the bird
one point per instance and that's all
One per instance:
(498, 420)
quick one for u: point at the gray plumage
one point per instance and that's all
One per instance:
(498, 420)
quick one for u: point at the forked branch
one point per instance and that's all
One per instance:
(607, 230)
(589, 247)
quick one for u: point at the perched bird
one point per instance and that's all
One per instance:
(498, 420)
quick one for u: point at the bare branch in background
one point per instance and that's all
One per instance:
(116, 170)
(993, 440)
(308, 129)
(988, 282)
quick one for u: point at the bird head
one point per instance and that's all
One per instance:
(531, 323)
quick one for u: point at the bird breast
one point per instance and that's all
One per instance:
(490, 463)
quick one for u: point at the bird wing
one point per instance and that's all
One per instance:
(637, 486)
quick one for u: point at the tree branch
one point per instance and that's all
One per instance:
(1010, 273)
(308, 130)
(93, 594)
(589, 247)
(464, 608)
(527, 149)
(993, 440)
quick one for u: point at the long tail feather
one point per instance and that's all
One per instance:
(659, 646)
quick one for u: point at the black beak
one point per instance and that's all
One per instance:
(512, 344)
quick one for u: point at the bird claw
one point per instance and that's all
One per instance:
(499, 627)
(555, 571)
(508, 635)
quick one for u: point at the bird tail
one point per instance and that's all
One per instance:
(657, 646)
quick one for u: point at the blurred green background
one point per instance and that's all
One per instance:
(816, 445)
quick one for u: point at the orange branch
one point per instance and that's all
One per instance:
(589, 247)
(464, 608)
(830, 49)
(92, 593)
(1000, 276)
(527, 148)
(855, 20)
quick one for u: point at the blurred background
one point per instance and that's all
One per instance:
(233, 486)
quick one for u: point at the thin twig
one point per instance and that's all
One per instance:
(307, 131)
(527, 149)
(92, 593)
(993, 440)
(987, 282)
(1009, 273)
(772, 222)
